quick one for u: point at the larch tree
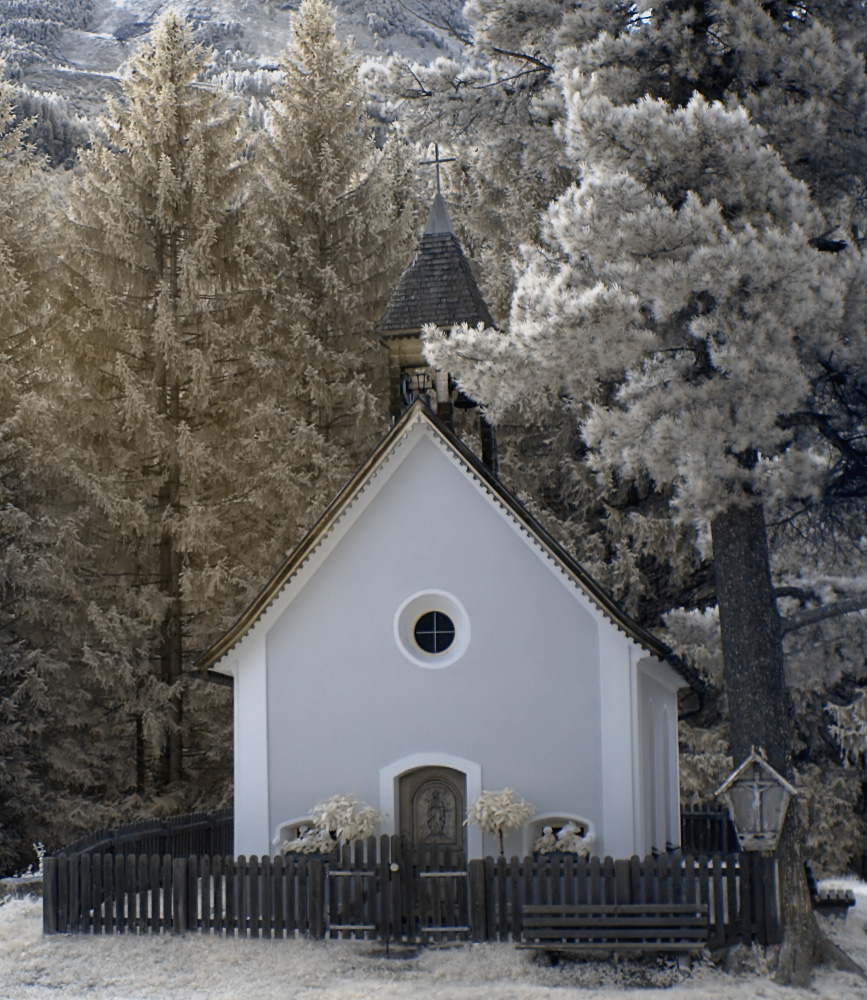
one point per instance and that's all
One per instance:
(682, 311)
(192, 446)
(336, 216)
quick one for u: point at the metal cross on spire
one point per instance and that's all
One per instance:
(438, 160)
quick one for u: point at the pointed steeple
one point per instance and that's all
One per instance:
(438, 287)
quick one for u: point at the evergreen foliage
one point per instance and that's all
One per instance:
(42, 709)
(687, 327)
(662, 304)
(336, 214)
(194, 450)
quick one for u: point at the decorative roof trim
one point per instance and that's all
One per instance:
(505, 500)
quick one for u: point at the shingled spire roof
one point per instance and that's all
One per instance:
(438, 286)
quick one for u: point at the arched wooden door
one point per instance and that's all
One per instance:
(432, 807)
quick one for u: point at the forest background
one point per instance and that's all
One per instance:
(665, 208)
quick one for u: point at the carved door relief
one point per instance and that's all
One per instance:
(432, 807)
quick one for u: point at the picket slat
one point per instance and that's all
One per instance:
(62, 894)
(218, 885)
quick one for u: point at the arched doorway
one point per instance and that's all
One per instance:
(432, 804)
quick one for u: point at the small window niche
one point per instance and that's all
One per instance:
(291, 829)
(579, 831)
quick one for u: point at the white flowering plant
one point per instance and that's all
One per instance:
(568, 838)
(336, 821)
(499, 812)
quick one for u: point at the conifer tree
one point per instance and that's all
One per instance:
(336, 214)
(799, 71)
(687, 317)
(191, 449)
(42, 767)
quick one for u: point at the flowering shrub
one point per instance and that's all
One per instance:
(337, 820)
(499, 812)
(568, 838)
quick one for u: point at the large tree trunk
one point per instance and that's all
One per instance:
(171, 639)
(168, 510)
(758, 707)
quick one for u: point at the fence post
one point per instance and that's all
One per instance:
(49, 895)
(179, 895)
(316, 888)
(478, 923)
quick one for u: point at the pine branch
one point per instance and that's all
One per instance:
(442, 23)
(800, 619)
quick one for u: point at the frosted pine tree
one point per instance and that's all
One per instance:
(190, 448)
(799, 71)
(336, 218)
(686, 317)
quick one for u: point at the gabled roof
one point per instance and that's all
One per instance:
(438, 286)
(512, 506)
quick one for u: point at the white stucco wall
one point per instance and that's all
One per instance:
(326, 702)
(659, 816)
(251, 746)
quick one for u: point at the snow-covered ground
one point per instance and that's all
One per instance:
(33, 967)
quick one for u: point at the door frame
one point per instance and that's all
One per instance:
(389, 800)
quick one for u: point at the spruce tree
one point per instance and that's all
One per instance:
(336, 216)
(43, 766)
(192, 446)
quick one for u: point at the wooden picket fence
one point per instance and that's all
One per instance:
(387, 890)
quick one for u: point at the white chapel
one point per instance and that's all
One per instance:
(429, 640)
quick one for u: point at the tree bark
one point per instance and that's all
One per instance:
(168, 509)
(758, 707)
(758, 702)
(171, 639)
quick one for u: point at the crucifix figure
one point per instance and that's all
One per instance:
(438, 160)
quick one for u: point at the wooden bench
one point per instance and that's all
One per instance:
(835, 901)
(622, 927)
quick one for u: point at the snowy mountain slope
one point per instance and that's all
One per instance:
(75, 47)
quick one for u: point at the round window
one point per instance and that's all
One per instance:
(432, 629)
(434, 632)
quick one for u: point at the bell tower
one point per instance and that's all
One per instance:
(437, 287)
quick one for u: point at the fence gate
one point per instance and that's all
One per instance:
(395, 892)
(439, 910)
